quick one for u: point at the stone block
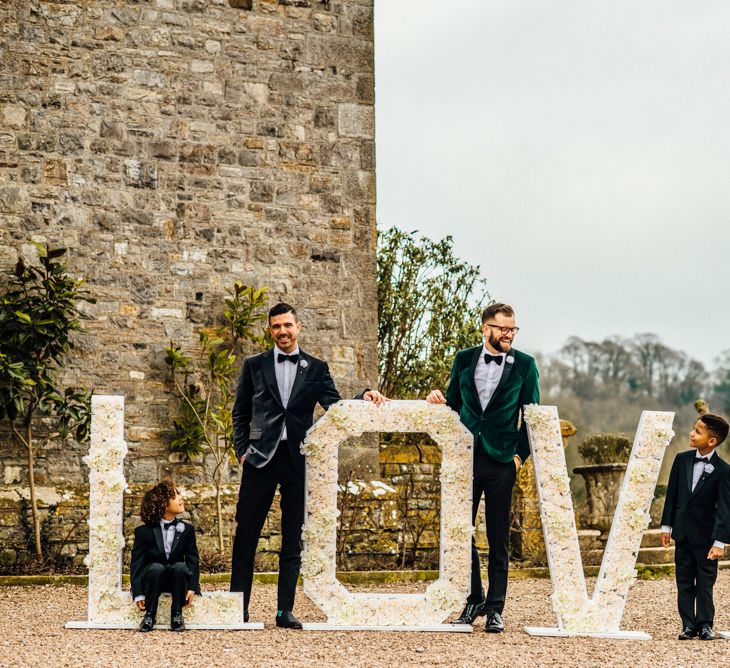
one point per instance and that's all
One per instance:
(202, 66)
(140, 174)
(212, 46)
(14, 116)
(340, 53)
(163, 149)
(262, 191)
(258, 93)
(141, 470)
(150, 78)
(356, 120)
(109, 33)
(12, 199)
(111, 129)
(324, 23)
(360, 186)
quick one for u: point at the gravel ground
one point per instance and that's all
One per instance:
(32, 634)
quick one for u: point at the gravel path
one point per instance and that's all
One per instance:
(32, 634)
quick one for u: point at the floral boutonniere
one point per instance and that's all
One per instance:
(709, 468)
(510, 359)
(303, 364)
(180, 527)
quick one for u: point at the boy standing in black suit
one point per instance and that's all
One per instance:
(164, 556)
(697, 515)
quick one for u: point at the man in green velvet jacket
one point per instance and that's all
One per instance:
(489, 386)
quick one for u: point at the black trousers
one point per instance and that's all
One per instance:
(157, 578)
(696, 575)
(495, 480)
(254, 502)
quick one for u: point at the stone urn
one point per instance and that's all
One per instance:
(603, 486)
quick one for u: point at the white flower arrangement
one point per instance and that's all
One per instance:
(448, 593)
(576, 613)
(108, 603)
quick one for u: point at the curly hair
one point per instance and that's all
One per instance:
(155, 501)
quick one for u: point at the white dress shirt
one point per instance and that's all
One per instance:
(285, 374)
(697, 471)
(487, 376)
(168, 536)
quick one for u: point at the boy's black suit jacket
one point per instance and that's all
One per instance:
(703, 515)
(148, 548)
(259, 414)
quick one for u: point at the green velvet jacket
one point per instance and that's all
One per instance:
(497, 429)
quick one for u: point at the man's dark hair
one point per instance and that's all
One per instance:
(717, 426)
(492, 310)
(155, 501)
(281, 308)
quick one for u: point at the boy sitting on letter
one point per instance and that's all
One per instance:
(697, 514)
(164, 556)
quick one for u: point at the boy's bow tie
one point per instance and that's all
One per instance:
(167, 525)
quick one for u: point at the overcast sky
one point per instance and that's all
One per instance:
(578, 151)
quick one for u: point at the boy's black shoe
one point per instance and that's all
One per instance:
(706, 633)
(286, 620)
(147, 623)
(687, 633)
(470, 613)
(494, 623)
(177, 623)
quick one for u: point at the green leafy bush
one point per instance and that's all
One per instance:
(605, 449)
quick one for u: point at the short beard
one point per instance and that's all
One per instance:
(497, 344)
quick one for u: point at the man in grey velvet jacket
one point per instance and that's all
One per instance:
(274, 406)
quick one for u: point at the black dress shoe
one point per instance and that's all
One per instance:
(494, 623)
(245, 615)
(706, 633)
(177, 623)
(285, 619)
(687, 633)
(470, 613)
(147, 623)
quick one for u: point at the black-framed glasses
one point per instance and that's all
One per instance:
(504, 330)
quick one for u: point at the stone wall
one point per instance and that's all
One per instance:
(373, 509)
(379, 514)
(175, 146)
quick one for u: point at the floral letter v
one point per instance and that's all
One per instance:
(600, 615)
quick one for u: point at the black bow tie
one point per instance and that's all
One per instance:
(497, 359)
(292, 358)
(167, 525)
(706, 460)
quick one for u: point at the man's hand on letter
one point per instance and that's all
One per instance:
(375, 396)
(436, 397)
